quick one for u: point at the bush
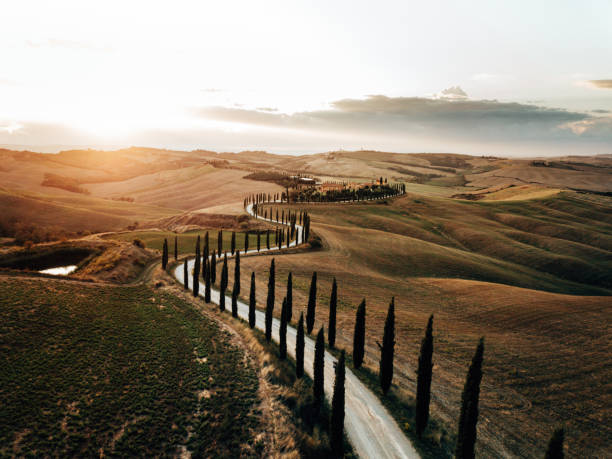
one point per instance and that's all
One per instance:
(139, 243)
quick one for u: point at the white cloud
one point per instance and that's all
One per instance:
(452, 93)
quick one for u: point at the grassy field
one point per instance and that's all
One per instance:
(93, 370)
(187, 240)
(560, 244)
(509, 271)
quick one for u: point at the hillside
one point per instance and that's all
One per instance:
(533, 277)
(123, 371)
(109, 190)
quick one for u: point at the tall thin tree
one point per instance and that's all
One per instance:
(319, 368)
(219, 243)
(270, 302)
(213, 267)
(196, 270)
(336, 425)
(196, 280)
(555, 445)
(196, 266)
(207, 280)
(466, 435)
(165, 254)
(312, 303)
(237, 274)
(333, 300)
(299, 348)
(206, 251)
(387, 350)
(289, 297)
(186, 275)
(282, 332)
(223, 284)
(233, 242)
(252, 301)
(246, 242)
(359, 335)
(424, 374)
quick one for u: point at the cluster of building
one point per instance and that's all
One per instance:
(341, 186)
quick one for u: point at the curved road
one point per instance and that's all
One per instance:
(372, 431)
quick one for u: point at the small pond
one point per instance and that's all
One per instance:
(59, 270)
(58, 261)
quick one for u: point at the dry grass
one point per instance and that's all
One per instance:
(546, 353)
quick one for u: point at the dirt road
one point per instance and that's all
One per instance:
(371, 429)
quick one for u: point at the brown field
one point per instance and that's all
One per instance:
(529, 266)
(546, 352)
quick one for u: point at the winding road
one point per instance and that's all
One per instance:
(372, 431)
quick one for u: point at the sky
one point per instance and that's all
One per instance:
(517, 78)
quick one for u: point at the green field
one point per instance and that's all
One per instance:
(187, 240)
(92, 370)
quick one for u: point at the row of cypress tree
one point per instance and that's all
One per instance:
(466, 437)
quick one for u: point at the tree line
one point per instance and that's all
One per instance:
(468, 419)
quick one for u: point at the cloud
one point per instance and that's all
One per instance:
(592, 127)
(601, 84)
(600, 111)
(380, 118)
(267, 109)
(453, 93)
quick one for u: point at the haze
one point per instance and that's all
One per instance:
(507, 78)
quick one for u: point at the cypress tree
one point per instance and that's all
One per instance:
(270, 302)
(196, 266)
(424, 380)
(207, 280)
(466, 435)
(252, 301)
(206, 251)
(336, 426)
(236, 286)
(233, 243)
(387, 350)
(223, 284)
(196, 270)
(555, 445)
(333, 299)
(319, 368)
(165, 254)
(237, 274)
(234, 304)
(312, 303)
(299, 348)
(289, 297)
(196, 280)
(282, 332)
(246, 242)
(258, 240)
(219, 243)
(268, 239)
(359, 335)
(175, 248)
(186, 275)
(213, 267)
